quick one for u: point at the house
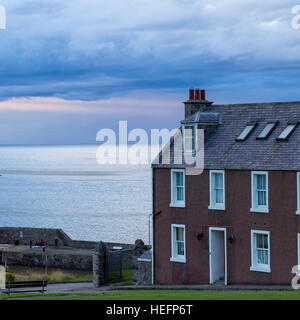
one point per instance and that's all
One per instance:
(239, 221)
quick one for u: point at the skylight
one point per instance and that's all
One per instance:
(267, 130)
(243, 136)
(287, 131)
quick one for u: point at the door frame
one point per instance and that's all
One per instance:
(225, 253)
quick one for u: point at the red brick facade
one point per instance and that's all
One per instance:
(281, 221)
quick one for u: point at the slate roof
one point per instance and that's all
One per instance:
(204, 117)
(222, 151)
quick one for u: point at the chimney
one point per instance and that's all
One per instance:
(197, 102)
(202, 95)
(192, 94)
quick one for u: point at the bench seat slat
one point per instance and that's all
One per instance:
(30, 285)
(19, 291)
(24, 284)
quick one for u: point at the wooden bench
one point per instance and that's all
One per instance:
(39, 285)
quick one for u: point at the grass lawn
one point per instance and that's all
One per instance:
(53, 276)
(61, 275)
(163, 295)
(127, 275)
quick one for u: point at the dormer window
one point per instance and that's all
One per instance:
(285, 134)
(246, 132)
(267, 130)
(189, 138)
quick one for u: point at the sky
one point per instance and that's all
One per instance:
(70, 68)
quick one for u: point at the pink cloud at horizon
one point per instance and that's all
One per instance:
(126, 105)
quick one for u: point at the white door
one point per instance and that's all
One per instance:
(217, 255)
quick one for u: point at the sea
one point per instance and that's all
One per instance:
(65, 187)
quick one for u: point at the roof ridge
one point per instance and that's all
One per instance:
(254, 103)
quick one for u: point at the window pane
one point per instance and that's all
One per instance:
(245, 132)
(286, 132)
(188, 144)
(266, 242)
(218, 180)
(179, 179)
(179, 234)
(219, 196)
(180, 248)
(261, 198)
(299, 188)
(262, 256)
(189, 138)
(189, 130)
(259, 240)
(267, 130)
(179, 193)
(261, 182)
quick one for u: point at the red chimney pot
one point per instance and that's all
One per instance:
(192, 94)
(197, 94)
(203, 95)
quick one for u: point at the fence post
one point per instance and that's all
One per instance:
(121, 256)
(100, 264)
(106, 268)
(46, 265)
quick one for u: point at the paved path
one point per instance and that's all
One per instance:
(88, 287)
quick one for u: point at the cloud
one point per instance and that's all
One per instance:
(96, 49)
(135, 104)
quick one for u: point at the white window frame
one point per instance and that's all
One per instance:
(246, 132)
(212, 197)
(298, 193)
(174, 202)
(254, 265)
(195, 137)
(298, 253)
(254, 206)
(174, 256)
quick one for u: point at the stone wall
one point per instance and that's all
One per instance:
(99, 265)
(77, 259)
(62, 261)
(142, 269)
(104, 260)
(9, 235)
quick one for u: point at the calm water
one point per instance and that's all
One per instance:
(64, 187)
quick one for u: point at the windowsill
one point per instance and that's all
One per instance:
(177, 205)
(259, 210)
(221, 208)
(260, 269)
(176, 259)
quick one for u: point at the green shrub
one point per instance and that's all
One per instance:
(10, 277)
